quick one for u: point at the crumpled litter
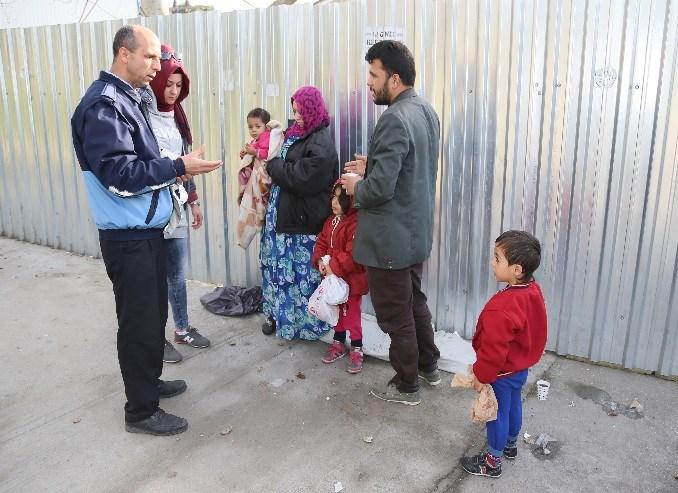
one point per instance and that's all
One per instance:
(635, 404)
(611, 408)
(338, 487)
(540, 443)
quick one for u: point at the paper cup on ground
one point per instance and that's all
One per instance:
(542, 389)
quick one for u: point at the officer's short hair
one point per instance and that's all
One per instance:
(125, 37)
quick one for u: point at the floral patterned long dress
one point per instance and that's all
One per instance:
(288, 280)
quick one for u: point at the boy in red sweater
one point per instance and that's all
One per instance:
(336, 240)
(510, 337)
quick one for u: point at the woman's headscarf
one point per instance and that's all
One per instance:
(312, 109)
(158, 84)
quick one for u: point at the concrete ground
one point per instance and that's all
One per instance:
(265, 415)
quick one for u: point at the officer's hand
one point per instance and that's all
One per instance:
(196, 166)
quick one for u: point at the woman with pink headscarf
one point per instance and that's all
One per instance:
(298, 205)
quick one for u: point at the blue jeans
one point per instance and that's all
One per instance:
(510, 413)
(177, 259)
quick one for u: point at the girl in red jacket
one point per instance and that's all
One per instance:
(336, 240)
(510, 337)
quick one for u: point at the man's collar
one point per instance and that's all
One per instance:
(125, 86)
(407, 93)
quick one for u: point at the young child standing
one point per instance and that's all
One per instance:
(336, 240)
(510, 337)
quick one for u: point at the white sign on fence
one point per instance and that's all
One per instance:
(375, 34)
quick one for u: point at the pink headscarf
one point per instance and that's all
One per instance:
(313, 111)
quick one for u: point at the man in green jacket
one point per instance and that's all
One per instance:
(395, 200)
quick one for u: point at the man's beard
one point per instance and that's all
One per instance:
(382, 96)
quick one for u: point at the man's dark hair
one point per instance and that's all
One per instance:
(343, 198)
(261, 113)
(396, 59)
(125, 37)
(520, 248)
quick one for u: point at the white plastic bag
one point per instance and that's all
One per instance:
(320, 308)
(179, 198)
(336, 290)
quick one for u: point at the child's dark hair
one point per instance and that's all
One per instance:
(396, 59)
(260, 113)
(520, 248)
(343, 198)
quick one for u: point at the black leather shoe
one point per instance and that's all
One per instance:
(170, 388)
(160, 424)
(268, 327)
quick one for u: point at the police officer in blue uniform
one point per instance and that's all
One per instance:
(128, 186)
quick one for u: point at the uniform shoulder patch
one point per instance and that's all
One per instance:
(109, 92)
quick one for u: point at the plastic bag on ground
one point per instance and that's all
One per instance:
(233, 301)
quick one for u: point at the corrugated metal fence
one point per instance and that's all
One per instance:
(558, 117)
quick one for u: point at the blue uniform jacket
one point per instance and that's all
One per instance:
(125, 177)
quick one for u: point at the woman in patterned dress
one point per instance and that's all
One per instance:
(298, 206)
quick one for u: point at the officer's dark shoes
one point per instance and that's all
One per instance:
(170, 388)
(160, 424)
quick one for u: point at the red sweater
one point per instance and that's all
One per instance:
(511, 332)
(336, 240)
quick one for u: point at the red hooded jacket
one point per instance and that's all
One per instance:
(336, 240)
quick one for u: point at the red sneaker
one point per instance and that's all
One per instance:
(355, 360)
(337, 350)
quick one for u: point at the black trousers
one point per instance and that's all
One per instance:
(138, 271)
(402, 313)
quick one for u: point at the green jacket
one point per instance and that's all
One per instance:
(396, 198)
